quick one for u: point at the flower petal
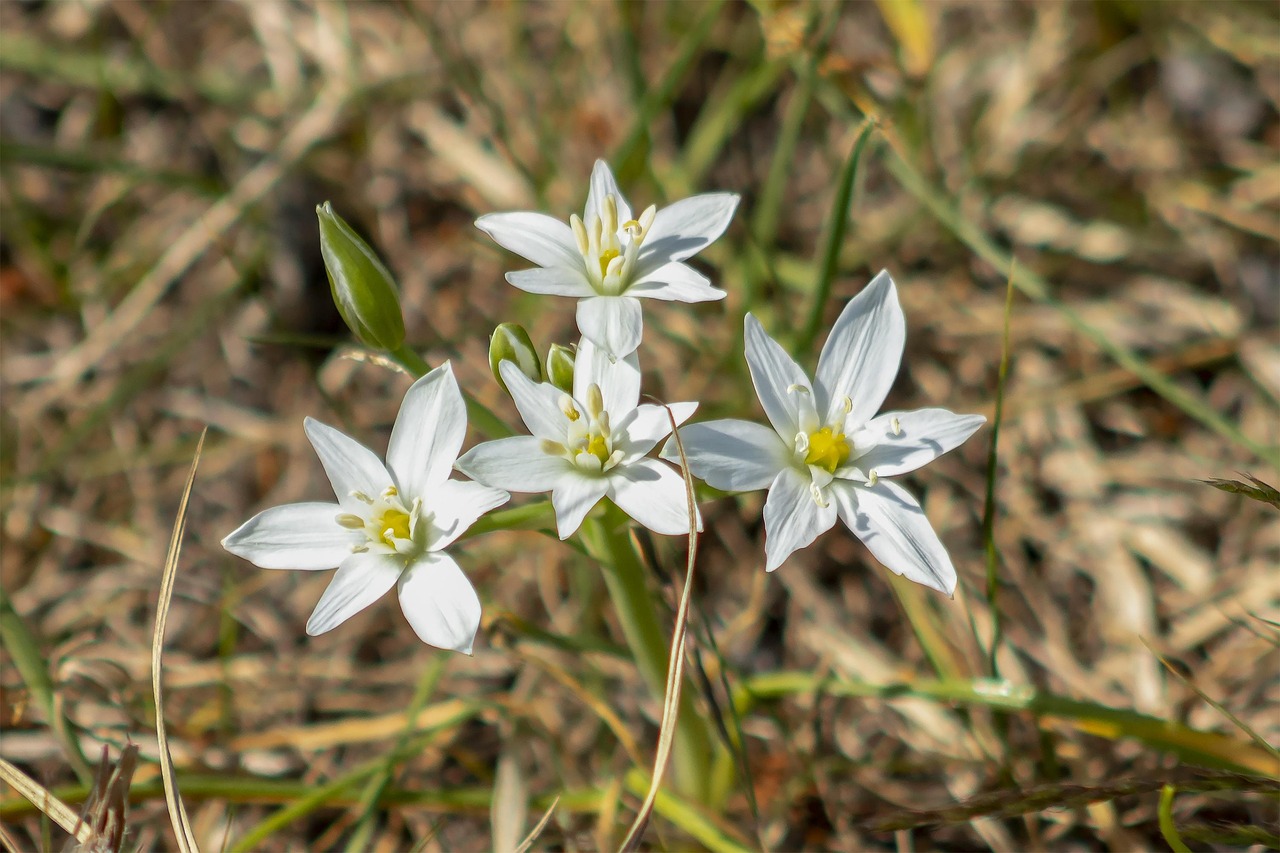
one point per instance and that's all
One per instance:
(537, 402)
(350, 466)
(653, 494)
(294, 536)
(921, 436)
(574, 496)
(440, 603)
(360, 581)
(686, 227)
(675, 282)
(536, 237)
(737, 456)
(517, 464)
(428, 433)
(603, 184)
(455, 505)
(647, 425)
(773, 372)
(792, 518)
(552, 281)
(890, 522)
(861, 356)
(613, 323)
(618, 377)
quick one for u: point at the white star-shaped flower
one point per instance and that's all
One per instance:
(588, 445)
(609, 260)
(826, 455)
(390, 523)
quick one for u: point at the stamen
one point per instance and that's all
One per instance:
(610, 223)
(552, 448)
(390, 492)
(797, 388)
(595, 401)
(646, 220)
(872, 477)
(897, 426)
(350, 521)
(603, 420)
(359, 549)
(615, 265)
(817, 495)
(569, 408)
(361, 496)
(633, 228)
(848, 405)
(579, 233)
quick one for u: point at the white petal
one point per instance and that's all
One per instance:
(574, 496)
(861, 356)
(350, 466)
(294, 536)
(639, 431)
(684, 228)
(536, 237)
(675, 282)
(552, 281)
(602, 184)
(612, 323)
(653, 494)
(618, 377)
(737, 456)
(773, 372)
(440, 603)
(537, 402)
(921, 437)
(890, 522)
(792, 518)
(428, 433)
(360, 581)
(455, 505)
(517, 464)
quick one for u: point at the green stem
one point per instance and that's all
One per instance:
(609, 542)
(477, 413)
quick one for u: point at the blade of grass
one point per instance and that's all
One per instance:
(685, 816)
(989, 503)
(48, 804)
(1167, 827)
(836, 225)
(675, 665)
(537, 830)
(177, 811)
(1207, 749)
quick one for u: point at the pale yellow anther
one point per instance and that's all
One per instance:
(361, 496)
(872, 477)
(896, 425)
(595, 401)
(817, 495)
(552, 448)
(390, 492)
(646, 218)
(847, 404)
(350, 521)
(579, 233)
(569, 408)
(797, 388)
(633, 228)
(610, 224)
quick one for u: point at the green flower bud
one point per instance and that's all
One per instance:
(560, 367)
(362, 287)
(510, 342)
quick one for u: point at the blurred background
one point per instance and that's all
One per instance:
(160, 271)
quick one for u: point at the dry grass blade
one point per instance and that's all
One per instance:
(177, 811)
(537, 830)
(105, 808)
(675, 668)
(1259, 491)
(49, 805)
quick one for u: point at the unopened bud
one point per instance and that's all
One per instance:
(560, 367)
(510, 342)
(362, 287)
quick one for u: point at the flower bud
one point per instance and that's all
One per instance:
(510, 342)
(362, 287)
(560, 367)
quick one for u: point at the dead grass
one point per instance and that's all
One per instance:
(159, 271)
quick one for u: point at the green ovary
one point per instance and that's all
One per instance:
(598, 447)
(605, 257)
(393, 524)
(827, 449)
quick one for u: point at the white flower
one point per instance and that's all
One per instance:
(826, 456)
(588, 445)
(390, 523)
(607, 259)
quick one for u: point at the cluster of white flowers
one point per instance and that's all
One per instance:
(827, 454)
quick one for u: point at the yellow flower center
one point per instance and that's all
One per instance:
(605, 257)
(827, 449)
(598, 446)
(393, 524)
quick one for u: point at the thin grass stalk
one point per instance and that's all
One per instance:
(836, 225)
(1167, 827)
(173, 799)
(989, 503)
